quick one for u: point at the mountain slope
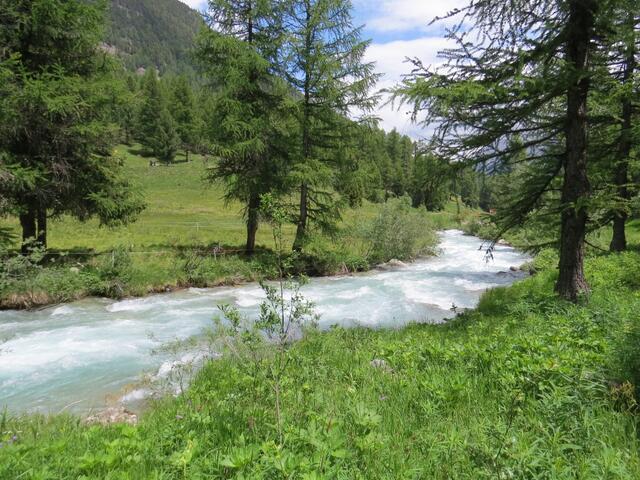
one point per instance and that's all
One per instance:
(153, 33)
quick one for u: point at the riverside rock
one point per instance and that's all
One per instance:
(391, 264)
(113, 415)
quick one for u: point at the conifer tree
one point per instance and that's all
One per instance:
(129, 109)
(165, 140)
(324, 62)
(394, 150)
(184, 112)
(429, 186)
(55, 141)
(522, 69)
(617, 88)
(156, 127)
(251, 108)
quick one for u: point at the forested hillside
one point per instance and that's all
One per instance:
(148, 33)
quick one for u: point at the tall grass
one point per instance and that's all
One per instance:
(525, 387)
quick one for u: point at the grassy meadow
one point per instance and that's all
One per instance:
(183, 211)
(190, 236)
(525, 387)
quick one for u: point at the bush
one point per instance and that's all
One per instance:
(332, 256)
(399, 231)
(35, 280)
(115, 271)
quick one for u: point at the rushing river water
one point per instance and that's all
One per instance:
(84, 353)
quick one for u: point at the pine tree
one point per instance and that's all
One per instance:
(129, 109)
(527, 74)
(429, 186)
(165, 140)
(252, 108)
(156, 127)
(621, 65)
(407, 149)
(184, 112)
(54, 138)
(324, 63)
(394, 150)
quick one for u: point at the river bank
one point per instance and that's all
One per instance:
(392, 230)
(90, 349)
(524, 386)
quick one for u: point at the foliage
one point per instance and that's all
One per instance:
(528, 386)
(429, 185)
(398, 232)
(262, 347)
(185, 114)
(55, 138)
(115, 272)
(501, 98)
(319, 39)
(156, 127)
(252, 113)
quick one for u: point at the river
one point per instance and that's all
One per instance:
(83, 355)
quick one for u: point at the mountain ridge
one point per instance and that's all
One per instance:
(153, 34)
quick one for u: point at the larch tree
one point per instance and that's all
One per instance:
(251, 119)
(54, 140)
(617, 89)
(156, 127)
(429, 186)
(394, 150)
(184, 113)
(324, 62)
(521, 69)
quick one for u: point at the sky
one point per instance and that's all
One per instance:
(398, 29)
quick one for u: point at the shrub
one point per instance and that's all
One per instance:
(115, 271)
(399, 232)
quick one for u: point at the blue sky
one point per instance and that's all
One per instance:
(398, 29)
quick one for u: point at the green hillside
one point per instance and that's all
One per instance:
(153, 33)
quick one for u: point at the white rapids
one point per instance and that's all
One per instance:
(85, 353)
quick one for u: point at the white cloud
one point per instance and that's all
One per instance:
(406, 15)
(390, 60)
(197, 4)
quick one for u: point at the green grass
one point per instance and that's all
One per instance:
(185, 216)
(525, 387)
(182, 210)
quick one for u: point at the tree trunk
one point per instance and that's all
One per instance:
(41, 239)
(303, 216)
(301, 231)
(621, 175)
(252, 223)
(619, 238)
(29, 232)
(576, 189)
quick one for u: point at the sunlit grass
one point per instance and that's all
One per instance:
(528, 386)
(182, 210)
